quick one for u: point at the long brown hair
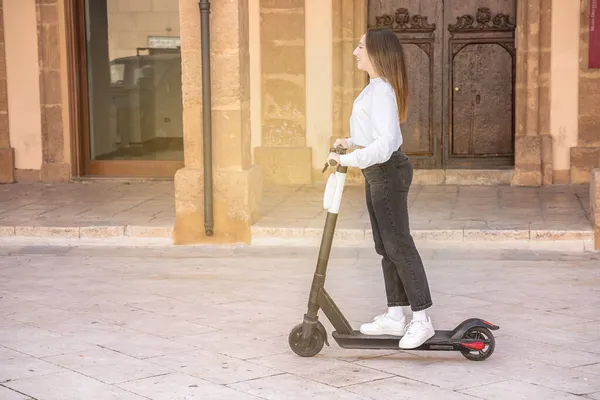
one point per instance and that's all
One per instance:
(387, 57)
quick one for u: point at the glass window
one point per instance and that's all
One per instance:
(134, 80)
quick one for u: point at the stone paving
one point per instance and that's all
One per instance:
(93, 209)
(212, 323)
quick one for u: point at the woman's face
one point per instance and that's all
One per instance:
(363, 62)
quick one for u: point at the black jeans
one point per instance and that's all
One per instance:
(386, 187)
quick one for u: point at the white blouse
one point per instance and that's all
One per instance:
(374, 126)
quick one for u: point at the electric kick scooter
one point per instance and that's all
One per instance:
(472, 337)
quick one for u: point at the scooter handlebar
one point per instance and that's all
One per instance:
(338, 150)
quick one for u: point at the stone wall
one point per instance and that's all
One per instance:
(54, 167)
(237, 184)
(586, 156)
(7, 156)
(283, 155)
(533, 140)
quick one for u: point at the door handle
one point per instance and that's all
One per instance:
(478, 99)
(456, 89)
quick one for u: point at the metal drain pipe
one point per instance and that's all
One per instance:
(206, 116)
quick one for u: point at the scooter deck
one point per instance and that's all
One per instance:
(440, 341)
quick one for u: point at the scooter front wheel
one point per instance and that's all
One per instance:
(312, 348)
(486, 337)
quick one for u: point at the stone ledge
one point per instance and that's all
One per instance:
(312, 234)
(460, 235)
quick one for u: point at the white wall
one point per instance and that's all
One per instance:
(319, 78)
(23, 82)
(564, 87)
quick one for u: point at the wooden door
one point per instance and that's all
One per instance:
(481, 59)
(417, 24)
(461, 66)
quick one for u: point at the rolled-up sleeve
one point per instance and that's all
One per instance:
(383, 114)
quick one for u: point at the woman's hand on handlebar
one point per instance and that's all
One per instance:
(341, 142)
(335, 157)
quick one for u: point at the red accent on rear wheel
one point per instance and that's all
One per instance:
(477, 346)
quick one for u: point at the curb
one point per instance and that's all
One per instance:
(460, 235)
(87, 232)
(312, 235)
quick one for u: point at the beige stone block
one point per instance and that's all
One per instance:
(429, 176)
(495, 234)
(149, 231)
(547, 234)
(236, 205)
(285, 165)
(260, 231)
(478, 177)
(52, 134)
(282, 4)
(561, 177)
(589, 128)
(27, 175)
(49, 51)
(51, 88)
(527, 177)
(283, 132)
(528, 151)
(101, 231)
(227, 81)
(284, 97)
(281, 58)
(7, 231)
(60, 172)
(7, 165)
(4, 127)
(47, 231)
(282, 25)
(583, 161)
(229, 127)
(438, 234)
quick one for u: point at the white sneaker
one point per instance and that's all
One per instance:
(417, 333)
(384, 325)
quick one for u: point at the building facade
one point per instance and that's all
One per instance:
(503, 91)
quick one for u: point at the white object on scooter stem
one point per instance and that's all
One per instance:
(329, 192)
(340, 180)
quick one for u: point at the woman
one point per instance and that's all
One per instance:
(376, 139)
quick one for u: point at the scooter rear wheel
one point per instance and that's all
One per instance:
(486, 336)
(314, 346)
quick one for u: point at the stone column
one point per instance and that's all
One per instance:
(586, 155)
(533, 140)
(283, 155)
(54, 167)
(349, 24)
(237, 184)
(565, 75)
(7, 156)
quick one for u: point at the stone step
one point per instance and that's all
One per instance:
(459, 234)
(309, 235)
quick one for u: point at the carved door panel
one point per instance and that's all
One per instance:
(481, 69)
(417, 24)
(460, 59)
